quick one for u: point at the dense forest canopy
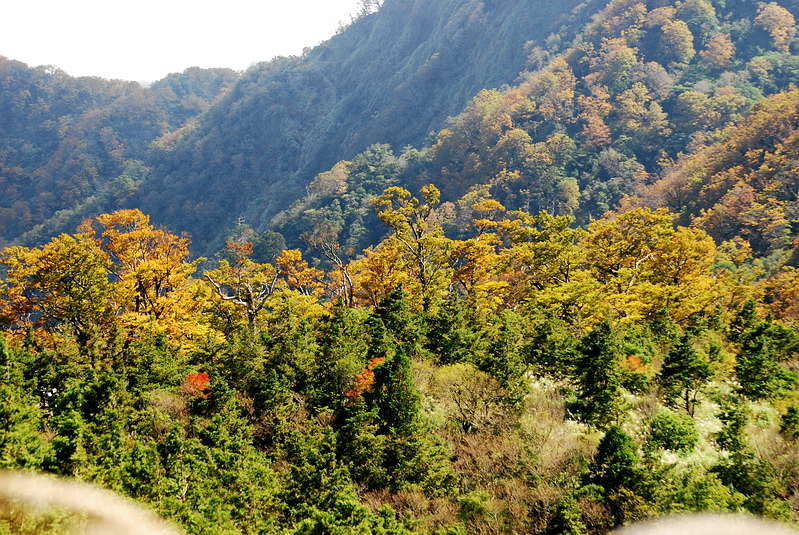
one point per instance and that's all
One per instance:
(529, 376)
(591, 127)
(572, 306)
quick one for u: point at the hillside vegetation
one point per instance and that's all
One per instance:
(529, 377)
(644, 84)
(68, 141)
(571, 307)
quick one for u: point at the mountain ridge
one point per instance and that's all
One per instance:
(390, 77)
(344, 113)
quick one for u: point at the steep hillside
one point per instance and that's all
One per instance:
(593, 101)
(644, 83)
(743, 190)
(745, 184)
(390, 77)
(572, 308)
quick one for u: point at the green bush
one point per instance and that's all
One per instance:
(673, 431)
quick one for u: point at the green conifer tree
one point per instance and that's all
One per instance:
(684, 374)
(598, 376)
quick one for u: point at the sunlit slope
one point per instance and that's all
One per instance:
(390, 77)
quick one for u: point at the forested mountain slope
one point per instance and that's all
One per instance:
(390, 77)
(64, 140)
(573, 308)
(643, 84)
(743, 185)
(604, 97)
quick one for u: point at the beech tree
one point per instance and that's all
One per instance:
(718, 53)
(61, 287)
(417, 235)
(132, 275)
(621, 246)
(595, 110)
(378, 273)
(242, 286)
(782, 291)
(700, 15)
(298, 274)
(148, 263)
(779, 23)
(151, 275)
(613, 64)
(678, 42)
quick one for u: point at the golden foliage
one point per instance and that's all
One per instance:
(779, 23)
(131, 275)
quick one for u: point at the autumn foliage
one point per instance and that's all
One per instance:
(197, 385)
(365, 381)
(577, 308)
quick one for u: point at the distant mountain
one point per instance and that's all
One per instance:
(72, 146)
(390, 77)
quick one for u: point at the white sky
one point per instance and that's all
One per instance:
(144, 40)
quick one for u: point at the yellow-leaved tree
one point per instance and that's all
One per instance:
(646, 265)
(151, 275)
(779, 23)
(418, 238)
(116, 271)
(61, 289)
(242, 288)
(299, 275)
(377, 273)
